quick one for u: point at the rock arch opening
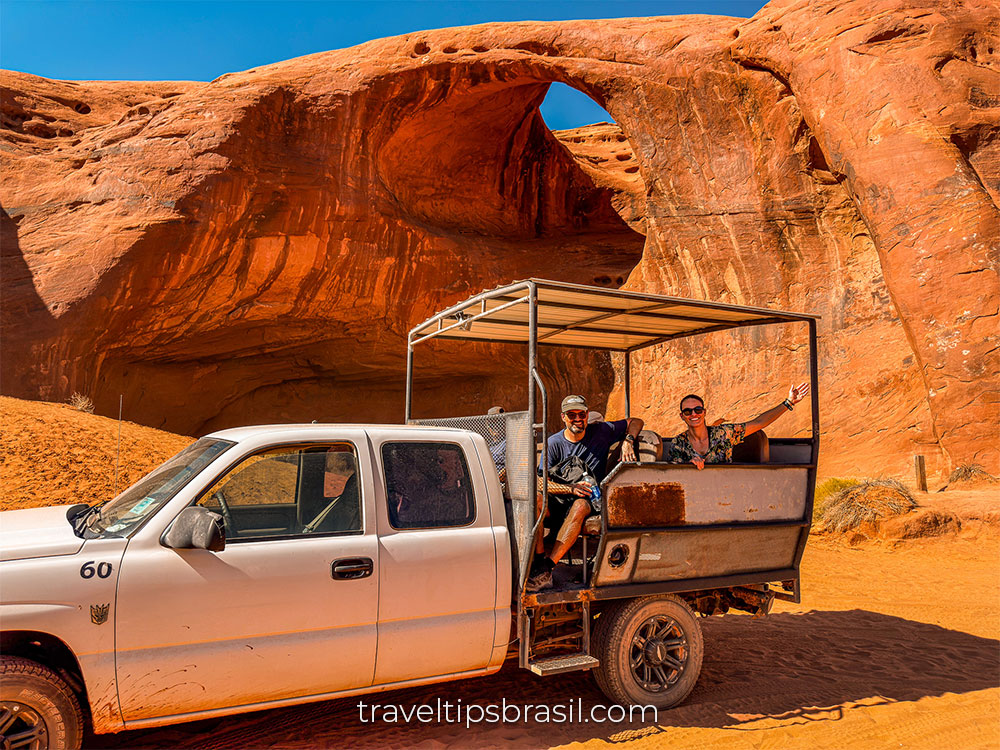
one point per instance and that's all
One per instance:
(479, 163)
(566, 108)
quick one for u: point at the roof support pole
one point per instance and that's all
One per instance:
(814, 387)
(409, 382)
(628, 383)
(524, 622)
(814, 455)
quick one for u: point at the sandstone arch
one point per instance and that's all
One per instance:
(254, 249)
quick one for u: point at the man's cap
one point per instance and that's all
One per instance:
(495, 410)
(574, 402)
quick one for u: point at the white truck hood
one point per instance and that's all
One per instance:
(37, 532)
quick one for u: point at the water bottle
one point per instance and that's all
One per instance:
(595, 497)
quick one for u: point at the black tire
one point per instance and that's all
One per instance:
(36, 703)
(650, 651)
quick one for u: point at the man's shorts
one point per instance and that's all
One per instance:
(559, 506)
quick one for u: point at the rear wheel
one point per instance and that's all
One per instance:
(650, 651)
(38, 710)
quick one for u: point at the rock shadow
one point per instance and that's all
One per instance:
(789, 667)
(22, 311)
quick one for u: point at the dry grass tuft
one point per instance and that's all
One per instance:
(971, 473)
(81, 403)
(867, 500)
(826, 491)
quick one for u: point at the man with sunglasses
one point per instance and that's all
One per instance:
(702, 444)
(569, 505)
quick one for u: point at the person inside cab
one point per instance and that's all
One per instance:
(702, 444)
(580, 449)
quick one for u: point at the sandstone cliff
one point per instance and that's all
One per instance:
(255, 248)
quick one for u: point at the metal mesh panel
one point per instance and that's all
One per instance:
(508, 436)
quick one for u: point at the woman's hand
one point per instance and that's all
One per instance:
(582, 489)
(699, 462)
(798, 392)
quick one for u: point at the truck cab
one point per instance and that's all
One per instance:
(261, 566)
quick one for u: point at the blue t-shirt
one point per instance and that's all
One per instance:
(499, 454)
(592, 449)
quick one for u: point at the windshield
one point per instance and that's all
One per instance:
(145, 497)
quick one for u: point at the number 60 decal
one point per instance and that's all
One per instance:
(103, 570)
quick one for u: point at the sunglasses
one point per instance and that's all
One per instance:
(694, 410)
(575, 416)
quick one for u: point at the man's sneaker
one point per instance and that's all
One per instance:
(540, 580)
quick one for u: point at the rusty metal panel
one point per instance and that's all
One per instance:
(608, 572)
(664, 556)
(650, 495)
(645, 504)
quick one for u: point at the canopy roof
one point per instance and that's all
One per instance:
(589, 317)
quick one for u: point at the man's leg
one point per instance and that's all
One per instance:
(540, 573)
(570, 529)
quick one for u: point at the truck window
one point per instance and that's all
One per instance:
(290, 491)
(126, 512)
(427, 485)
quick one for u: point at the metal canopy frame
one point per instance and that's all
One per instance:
(590, 317)
(538, 312)
(553, 313)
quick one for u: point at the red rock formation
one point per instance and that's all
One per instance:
(255, 248)
(904, 104)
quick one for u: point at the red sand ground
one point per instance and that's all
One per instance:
(894, 645)
(52, 454)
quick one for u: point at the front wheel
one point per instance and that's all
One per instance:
(38, 710)
(650, 651)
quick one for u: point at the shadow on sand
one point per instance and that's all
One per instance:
(783, 666)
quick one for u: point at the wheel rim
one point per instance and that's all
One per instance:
(658, 653)
(21, 727)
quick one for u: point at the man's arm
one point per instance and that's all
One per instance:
(632, 430)
(580, 489)
(556, 488)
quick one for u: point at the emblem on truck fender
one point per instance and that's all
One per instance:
(99, 613)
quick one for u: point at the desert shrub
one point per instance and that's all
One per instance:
(81, 403)
(867, 500)
(969, 472)
(826, 490)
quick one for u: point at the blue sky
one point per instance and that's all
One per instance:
(195, 40)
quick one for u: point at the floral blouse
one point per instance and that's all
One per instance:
(721, 439)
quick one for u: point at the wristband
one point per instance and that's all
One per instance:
(630, 438)
(788, 404)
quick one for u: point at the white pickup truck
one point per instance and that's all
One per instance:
(274, 565)
(261, 566)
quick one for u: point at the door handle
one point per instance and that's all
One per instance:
(350, 568)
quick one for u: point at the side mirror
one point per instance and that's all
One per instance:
(196, 528)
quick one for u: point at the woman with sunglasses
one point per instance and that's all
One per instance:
(702, 444)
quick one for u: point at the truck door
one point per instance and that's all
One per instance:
(287, 609)
(437, 560)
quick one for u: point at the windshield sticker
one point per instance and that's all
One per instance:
(116, 527)
(140, 506)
